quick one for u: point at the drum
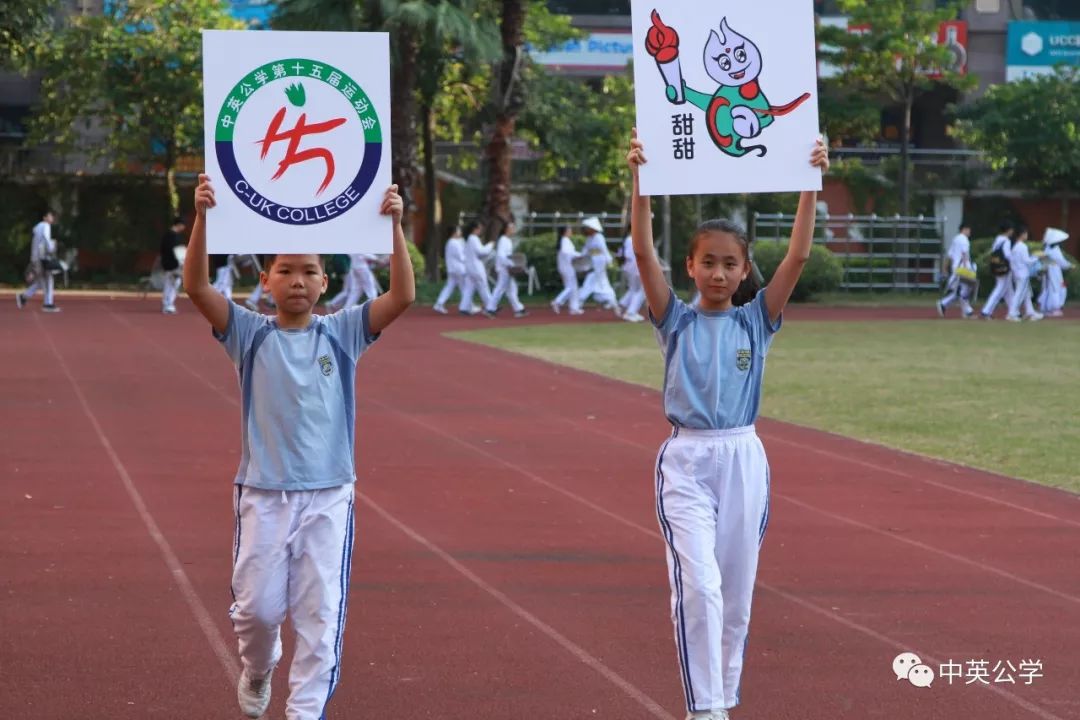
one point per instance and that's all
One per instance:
(966, 276)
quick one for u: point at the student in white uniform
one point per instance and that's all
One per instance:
(564, 262)
(712, 476)
(259, 294)
(1020, 262)
(959, 257)
(171, 241)
(476, 279)
(42, 260)
(505, 284)
(294, 490)
(597, 282)
(454, 254)
(223, 277)
(629, 307)
(1054, 291)
(999, 268)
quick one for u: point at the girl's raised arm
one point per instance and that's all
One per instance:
(657, 291)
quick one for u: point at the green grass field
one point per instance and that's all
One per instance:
(999, 396)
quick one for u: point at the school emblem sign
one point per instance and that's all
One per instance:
(296, 148)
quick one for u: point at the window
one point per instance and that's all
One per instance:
(988, 6)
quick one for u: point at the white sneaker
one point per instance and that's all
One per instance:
(1034, 317)
(253, 694)
(439, 309)
(169, 311)
(554, 307)
(1012, 318)
(633, 317)
(577, 312)
(709, 715)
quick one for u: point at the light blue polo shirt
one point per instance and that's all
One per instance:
(298, 397)
(714, 363)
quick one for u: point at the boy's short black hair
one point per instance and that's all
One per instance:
(965, 224)
(1020, 229)
(1005, 226)
(178, 221)
(268, 261)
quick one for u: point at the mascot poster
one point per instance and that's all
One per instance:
(726, 96)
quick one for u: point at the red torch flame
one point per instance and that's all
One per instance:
(662, 42)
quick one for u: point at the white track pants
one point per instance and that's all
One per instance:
(570, 292)
(634, 297)
(505, 284)
(475, 283)
(1021, 296)
(170, 288)
(223, 281)
(363, 281)
(712, 501)
(1002, 291)
(292, 554)
(44, 280)
(454, 281)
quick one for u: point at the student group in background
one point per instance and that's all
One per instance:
(1013, 266)
(465, 256)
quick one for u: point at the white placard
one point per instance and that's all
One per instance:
(297, 141)
(726, 96)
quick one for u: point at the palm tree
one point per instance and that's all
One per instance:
(374, 15)
(508, 98)
(451, 31)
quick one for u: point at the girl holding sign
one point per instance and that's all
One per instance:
(712, 476)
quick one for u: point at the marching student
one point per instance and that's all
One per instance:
(959, 259)
(597, 282)
(712, 476)
(476, 279)
(170, 265)
(564, 262)
(1020, 262)
(1054, 290)
(1000, 269)
(454, 255)
(293, 502)
(504, 281)
(634, 297)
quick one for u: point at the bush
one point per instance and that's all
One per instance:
(542, 251)
(823, 272)
(418, 263)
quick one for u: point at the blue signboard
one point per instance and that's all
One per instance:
(1035, 48)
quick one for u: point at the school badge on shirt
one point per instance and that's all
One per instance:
(742, 359)
(326, 365)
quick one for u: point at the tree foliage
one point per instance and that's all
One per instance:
(126, 86)
(23, 24)
(889, 52)
(1029, 130)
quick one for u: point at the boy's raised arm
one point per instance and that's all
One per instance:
(391, 304)
(212, 304)
(657, 291)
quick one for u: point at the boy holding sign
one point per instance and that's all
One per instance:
(293, 502)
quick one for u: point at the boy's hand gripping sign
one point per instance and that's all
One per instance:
(297, 141)
(726, 96)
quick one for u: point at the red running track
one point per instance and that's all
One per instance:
(508, 563)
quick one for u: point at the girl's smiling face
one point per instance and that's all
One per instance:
(718, 264)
